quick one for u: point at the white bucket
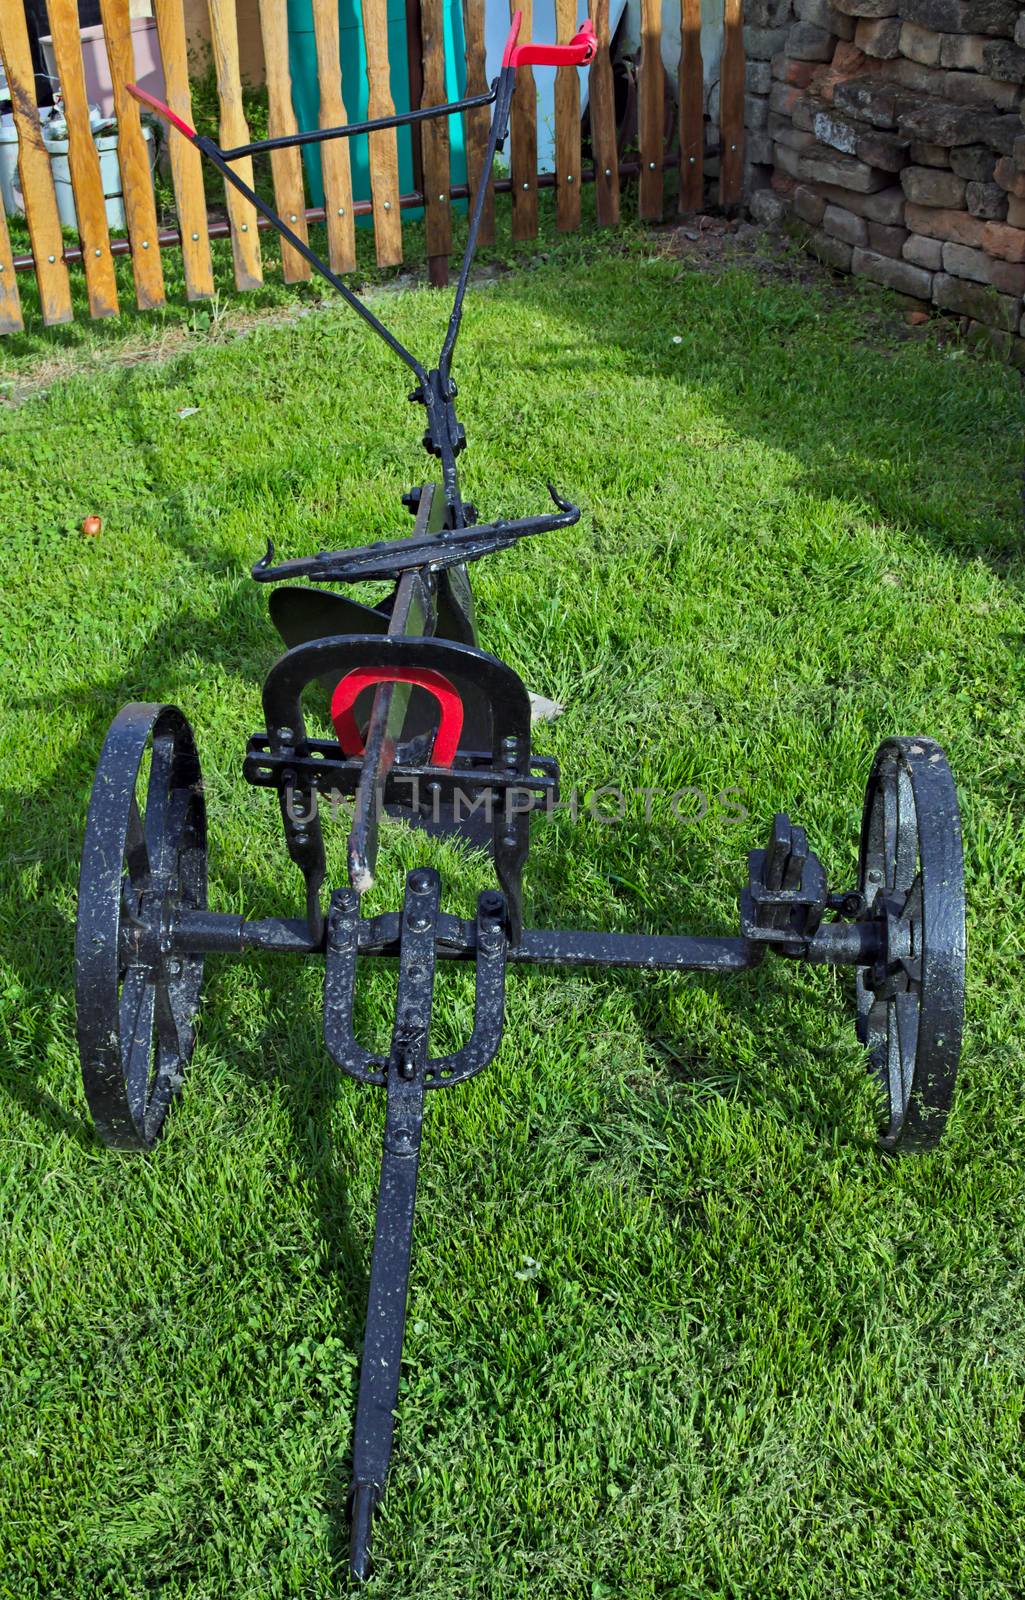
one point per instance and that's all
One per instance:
(10, 183)
(110, 172)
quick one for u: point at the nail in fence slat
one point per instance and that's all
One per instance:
(34, 168)
(84, 161)
(602, 103)
(692, 108)
(384, 153)
(245, 240)
(523, 152)
(477, 122)
(437, 175)
(731, 104)
(567, 125)
(133, 159)
(286, 165)
(652, 111)
(186, 162)
(10, 302)
(334, 153)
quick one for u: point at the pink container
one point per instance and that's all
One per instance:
(149, 70)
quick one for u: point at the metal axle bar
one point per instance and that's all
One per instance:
(835, 943)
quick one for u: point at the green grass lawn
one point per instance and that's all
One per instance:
(676, 1328)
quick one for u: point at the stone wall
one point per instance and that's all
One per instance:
(897, 140)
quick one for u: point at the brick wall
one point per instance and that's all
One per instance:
(897, 139)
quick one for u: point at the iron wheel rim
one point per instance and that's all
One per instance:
(911, 1016)
(136, 998)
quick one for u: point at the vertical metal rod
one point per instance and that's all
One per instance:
(499, 129)
(396, 1201)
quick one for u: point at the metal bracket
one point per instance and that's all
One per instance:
(787, 891)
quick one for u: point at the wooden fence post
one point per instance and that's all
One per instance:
(602, 102)
(477, 122)
(286, 165)
(435, 144)
(692, 109)
(334, 153)
(652, 112)
(133, 159)
(523, 150)
(186, 162)
(731, 105)
(10, 302)
(567, 125)
(84, 161)
(34, 168)
(245, 240)
(384, 151)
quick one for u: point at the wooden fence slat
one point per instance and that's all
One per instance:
(384, 150)
(286, 165)
(602, 103)
(10, 302)
(652, 111)
(435, 144)
(731, 105)
(692, 109)
(133, 159)
(84, 161)
(334, 154)
(523, 148)
(477, 123)
(567, 125)
(34, 168)
(186, 161)
(245, 241)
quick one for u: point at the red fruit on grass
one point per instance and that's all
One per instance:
(92, 526)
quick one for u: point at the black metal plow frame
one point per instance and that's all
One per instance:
(431, 727)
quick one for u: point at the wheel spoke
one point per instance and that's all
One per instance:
(137, 856)
(160, 838)
(169, 1026)
(905, 857)
(135, 1012)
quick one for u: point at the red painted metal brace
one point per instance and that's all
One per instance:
(446, 740)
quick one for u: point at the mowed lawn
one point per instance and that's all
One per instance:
(676, 1328)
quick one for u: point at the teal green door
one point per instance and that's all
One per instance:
(302, 60)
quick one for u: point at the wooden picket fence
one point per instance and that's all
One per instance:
(51, 255)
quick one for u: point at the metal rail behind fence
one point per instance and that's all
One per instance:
(51, 253)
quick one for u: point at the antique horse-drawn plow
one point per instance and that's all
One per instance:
(428, 724)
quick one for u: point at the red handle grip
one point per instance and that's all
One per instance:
(580, 50)
(158, 108)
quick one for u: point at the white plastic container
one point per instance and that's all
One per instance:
(110, 172)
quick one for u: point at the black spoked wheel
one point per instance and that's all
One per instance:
(142, 862)
(911, 1001)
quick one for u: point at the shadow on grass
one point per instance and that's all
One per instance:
(791, 365)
